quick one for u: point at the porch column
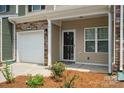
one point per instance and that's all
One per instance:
(109, 41)
(121, 38)
(49, 42)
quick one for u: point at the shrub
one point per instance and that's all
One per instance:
(7, 73)
(69, 83)
(35, 81)
(57, 70)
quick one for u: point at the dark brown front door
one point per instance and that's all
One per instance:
(68, 45)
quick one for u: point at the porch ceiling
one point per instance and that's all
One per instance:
(63, 13)
(58, 21)
(81, 17)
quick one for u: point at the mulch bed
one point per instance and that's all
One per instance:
(85, 80)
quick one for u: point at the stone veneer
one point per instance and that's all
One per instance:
(117, 38)
(36, 25)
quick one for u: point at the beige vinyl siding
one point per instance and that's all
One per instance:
(67, 6)
(79, 25)
(49, 7)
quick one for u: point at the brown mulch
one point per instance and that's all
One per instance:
(85, 80)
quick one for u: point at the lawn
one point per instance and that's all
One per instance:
(84, 80)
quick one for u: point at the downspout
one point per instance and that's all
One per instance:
(49, 42)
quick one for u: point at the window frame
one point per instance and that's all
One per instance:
(96, 39)
(87, 40)
(5, 10)
(36, 10)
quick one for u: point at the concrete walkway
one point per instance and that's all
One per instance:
(26, 68)
(87, 68)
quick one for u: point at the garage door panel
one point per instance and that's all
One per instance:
(31, 47)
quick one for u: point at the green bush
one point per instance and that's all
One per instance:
(57, 70)
(7, 73)
(35, 81)
(69, 83)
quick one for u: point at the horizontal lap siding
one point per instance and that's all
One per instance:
(79, 25)
(7, 40)
(21, 10)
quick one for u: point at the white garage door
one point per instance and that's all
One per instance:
(31, 47)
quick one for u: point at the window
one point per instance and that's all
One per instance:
(2, 8)
(35, 8)
(102, 39)
(96, 39)
(90, 40)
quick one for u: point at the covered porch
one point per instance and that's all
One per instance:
(82, 42)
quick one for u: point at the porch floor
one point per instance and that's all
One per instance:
(87, 68)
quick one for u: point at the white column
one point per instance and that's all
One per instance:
(49, 42)
(121, 38)
(17, 9)
(54, 7)
(109, 42)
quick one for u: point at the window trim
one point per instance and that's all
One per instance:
(5, 10)
(96, 39)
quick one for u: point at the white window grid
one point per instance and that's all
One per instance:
(96, 39)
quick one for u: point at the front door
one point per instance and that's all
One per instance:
(68, 45)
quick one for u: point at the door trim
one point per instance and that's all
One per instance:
(74, 31)
(17, 44)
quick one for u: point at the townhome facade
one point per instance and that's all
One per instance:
(82, 34)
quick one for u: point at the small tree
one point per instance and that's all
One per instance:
(69, 83)
(7, 73)
(57, 70)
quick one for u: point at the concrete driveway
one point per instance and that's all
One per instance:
(26, 68)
